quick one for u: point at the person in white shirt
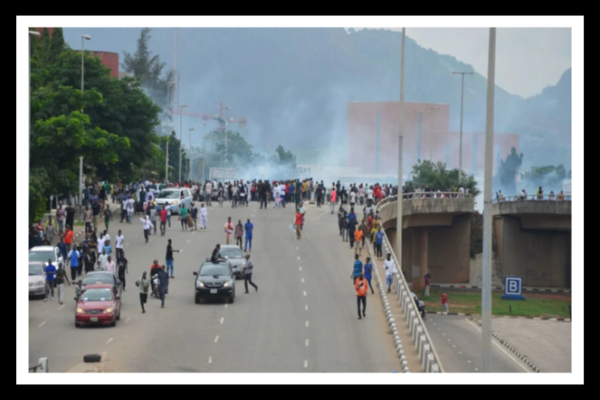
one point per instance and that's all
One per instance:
(168, 208)
(123, 210)
(110, 265)
(282, 194)
(101, 241)
(370, 195)
(102, 260)
(352, 198)
(203, 217)
(208, 191)
(119, 245)
(130, 208)
(390, 269)
(276, 195)
(147, 226)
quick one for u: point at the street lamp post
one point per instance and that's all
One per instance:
(462, 91)
(400, 198)
(167, 157)
(190, 155)
(486, 295)
(180, 137)
(83, 39)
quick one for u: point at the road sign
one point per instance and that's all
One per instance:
(512, 288)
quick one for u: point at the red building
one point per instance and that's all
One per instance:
(372, 138)
(109, 59)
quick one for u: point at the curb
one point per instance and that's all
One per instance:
(389, 315)
(513, 350)
(503, 316)
(525, 289)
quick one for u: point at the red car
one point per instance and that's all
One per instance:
(98, 305)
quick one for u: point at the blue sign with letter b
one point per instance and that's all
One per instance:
(512, 288)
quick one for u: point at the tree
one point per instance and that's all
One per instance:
(508, 170)
(548, 176)
(285, 157)
(174, 144)
(239, 152)
(57, 44)
(435, 176)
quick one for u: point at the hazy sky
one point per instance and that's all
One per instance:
(527, 59)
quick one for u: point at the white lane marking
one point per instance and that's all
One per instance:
(306, 342)
(127, 320)
(61, 307)
(298, 258)
(306, 307)
(255, 209)
(460, 352)
(448, 339)
(497, 345)
(225, 305)
(252, 216)
(469, 361)
(217, 339)
(453, 345)
(209, 359)
(307, 324)
(181, 251)
(296, 248)
(443, 334)
(189, 240)
(305, 293)
(302, 280)
(305, 363)
(476, 369)
(300, 268)
(439, 329)
(109, 340)
(42, 324)
(222, 319)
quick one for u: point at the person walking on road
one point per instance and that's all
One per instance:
(107, 217)
(163, 221)
(298, 224)
(50, 271)
(110, 265)
(60, 218)
(333, 199)
(183, 213)
(358, 240)
(119, 245)
(369, 273)
(390, 269)
(378, 244)
(249, 230)
(228, 230)
(61, 276)
(122, 269)
(87, 219)
(444, 302)
(358, 268)
(163, 285)
(239, 232)
(203, 217)
(102, 259)
(361, 286)
(143, 283)
(195, 216)
(73, 260)
(169, 258)
(147, 226)
(68, 237)
(248, 268)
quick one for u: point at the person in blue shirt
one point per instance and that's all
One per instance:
(249, 227)
(358, 269)
(378, 243)
(62, 246)
(50, 271)
(369, 272)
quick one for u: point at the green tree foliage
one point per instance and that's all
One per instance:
(508, 170)
(435, 176)
(57, 44)
(148, 69)
(239, 152)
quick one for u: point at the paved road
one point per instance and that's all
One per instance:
(302, 319)
(457, 341)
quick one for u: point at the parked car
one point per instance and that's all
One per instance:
(102, 278)
(235, 256)
(98, 305)
(214, 281)
(37, 279)
(420, 305)
(172, 195)
(44, 253)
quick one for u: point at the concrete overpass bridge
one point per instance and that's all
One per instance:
(534, 239)
(436, 236)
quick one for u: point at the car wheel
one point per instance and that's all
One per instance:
(118, 317)
(77, 325)
(114, 323)
(197, 300)
(92, 358)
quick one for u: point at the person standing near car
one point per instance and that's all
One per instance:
(73, 260)
(228, 229)
(361, 287)
(110, 265)
(249, 230)
(122, 269)
(183, 212)
(68, 237)
(147, 226)
(102, 259)
(239, 232)
(119, 244)
(248, 269)
(169, 258)
(50, 231)
(61, 276)
(50, 271)
(195, 216)
(143, 284)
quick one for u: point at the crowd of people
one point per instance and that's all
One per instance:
(539, 195)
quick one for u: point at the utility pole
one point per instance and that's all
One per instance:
(486, 296)
(400, 180)
(462, 91)
(180, 138)
(190, 156)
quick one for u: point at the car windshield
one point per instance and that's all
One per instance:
(214, 269)
(36, 269)
(98, 279)
(97, 295)
(169, 194)
(41, 256)
(234, 253)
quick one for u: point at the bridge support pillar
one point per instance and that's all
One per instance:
(420, 258)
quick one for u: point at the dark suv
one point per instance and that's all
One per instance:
(214, 281)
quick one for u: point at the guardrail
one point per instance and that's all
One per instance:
(425, 348)
(529, 197)
(40, 367)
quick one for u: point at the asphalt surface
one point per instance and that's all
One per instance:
(302, 319)
(457, 340)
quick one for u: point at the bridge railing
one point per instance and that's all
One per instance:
(423, 195)
(529, 197)
(425, 348)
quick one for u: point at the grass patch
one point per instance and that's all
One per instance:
(469, 302)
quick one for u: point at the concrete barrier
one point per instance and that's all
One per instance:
(417, 334)
(429, 362)
(435, 368)
(421, 339)
(423, 356)
(411, 320)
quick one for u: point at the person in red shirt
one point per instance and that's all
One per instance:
(163, 220)
(445, 302)
(298, 224)
(68, 237)
(361, 286)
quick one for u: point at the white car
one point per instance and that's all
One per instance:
(44, 253)
(37, 279)
(235, 256)
(172, 195)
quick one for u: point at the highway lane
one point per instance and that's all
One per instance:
(277, 329)
(457, 341)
